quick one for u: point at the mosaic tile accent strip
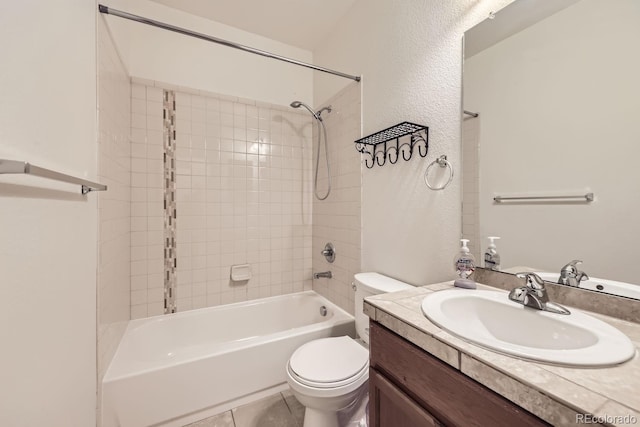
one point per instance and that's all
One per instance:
(169, 145)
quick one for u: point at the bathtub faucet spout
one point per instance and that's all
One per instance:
(325, 274)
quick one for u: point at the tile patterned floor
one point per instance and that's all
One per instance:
(279, 410)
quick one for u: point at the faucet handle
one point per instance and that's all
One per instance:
(533, 281)
(581, 276)
(572, 267)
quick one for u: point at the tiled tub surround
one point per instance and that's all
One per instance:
(471, 185)
(337, 219)
(114, 206)
(555, 394)
(169, 195)
(179, 368)
(243, 194)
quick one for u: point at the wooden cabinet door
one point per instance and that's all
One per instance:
(390, 407)
(450, 396)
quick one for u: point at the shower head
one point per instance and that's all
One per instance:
(298, 104)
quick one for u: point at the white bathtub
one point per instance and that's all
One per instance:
(175, 368)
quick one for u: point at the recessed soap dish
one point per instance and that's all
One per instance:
(240, 272)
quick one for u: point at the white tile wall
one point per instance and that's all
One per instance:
(471, 186)
(147, 201)
(337, 219)
(243, 196)
(114, 205)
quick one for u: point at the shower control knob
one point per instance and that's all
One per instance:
(329, 252)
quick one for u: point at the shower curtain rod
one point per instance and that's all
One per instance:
(126, 15)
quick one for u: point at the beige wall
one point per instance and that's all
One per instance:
(559, 116)
(48, 231)
(409, 54)
(164, 56)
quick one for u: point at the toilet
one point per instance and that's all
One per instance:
(327, 375)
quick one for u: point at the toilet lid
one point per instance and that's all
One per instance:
(329, 360)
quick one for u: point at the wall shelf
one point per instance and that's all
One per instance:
(385, 145)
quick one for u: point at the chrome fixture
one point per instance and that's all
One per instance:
(571, 276)
(470, 113)
(443, 163)
(323, 274)
(328, 109)
(298, 104)
(583, 197)
(329, 252)
(18, 167)
(323, 310)
(533, 294)
(120, 14)
(318, 116)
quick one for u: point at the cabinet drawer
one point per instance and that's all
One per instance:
(450, 396)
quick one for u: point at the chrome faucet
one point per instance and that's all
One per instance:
(325, 274)
(534, 294)
(570, 275)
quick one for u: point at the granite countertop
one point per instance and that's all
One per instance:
(559, 395)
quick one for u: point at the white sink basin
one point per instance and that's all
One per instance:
(490, 319)
(601, 285)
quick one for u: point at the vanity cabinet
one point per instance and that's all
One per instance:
(408, 387)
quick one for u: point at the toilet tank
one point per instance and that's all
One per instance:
(368, 284)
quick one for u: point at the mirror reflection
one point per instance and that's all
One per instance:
(557, 93)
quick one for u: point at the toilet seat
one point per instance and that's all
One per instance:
(329, 365)
(362, 373)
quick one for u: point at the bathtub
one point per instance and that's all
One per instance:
(173, 369)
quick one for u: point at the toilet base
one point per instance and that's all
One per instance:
(316, 418)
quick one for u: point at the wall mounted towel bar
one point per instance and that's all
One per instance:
(584, 197)
(17, 167)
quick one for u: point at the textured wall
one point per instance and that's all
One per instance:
(409, 54)
(48, 230)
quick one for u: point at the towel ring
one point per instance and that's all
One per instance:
(443, 163)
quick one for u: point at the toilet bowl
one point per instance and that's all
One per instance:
(327, 375)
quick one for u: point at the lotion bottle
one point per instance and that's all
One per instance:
(491, 255)
(465, 265)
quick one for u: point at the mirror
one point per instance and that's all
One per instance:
(556, 86)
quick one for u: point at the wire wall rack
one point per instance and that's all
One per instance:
(386, 145)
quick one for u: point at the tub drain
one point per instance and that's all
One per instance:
(323, 311)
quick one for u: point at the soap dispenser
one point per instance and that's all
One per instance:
(491, 255)
(465, 265)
